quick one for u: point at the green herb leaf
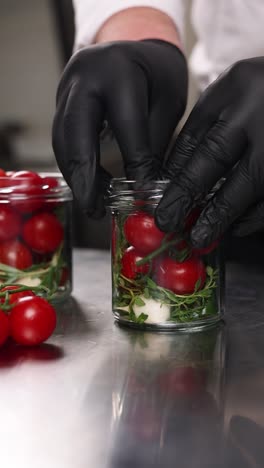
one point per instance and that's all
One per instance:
(197, 285)
(142, 318)
(146, 293)
(209, 271)
(151, 284)
(139, 302)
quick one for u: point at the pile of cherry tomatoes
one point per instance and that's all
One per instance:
(28, 230)
(27, 224)
(144, 238)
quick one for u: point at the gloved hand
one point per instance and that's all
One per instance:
(223, 137)
(140, 89)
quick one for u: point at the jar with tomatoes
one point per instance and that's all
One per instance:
(159, 280)
(35, 233)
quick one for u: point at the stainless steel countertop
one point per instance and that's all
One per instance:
(101, 396)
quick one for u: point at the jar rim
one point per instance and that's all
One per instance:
(20, 188)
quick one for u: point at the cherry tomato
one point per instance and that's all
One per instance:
(206, 250)
(26, 178)
(43, 233)
(15, 254)
(29, 184)
(14, 297)
(182, 381)
(32, 321)
(3, 178)
(142, 233)
(128, 262)
(49, 184)
(180, 277)
(4, 327)
(50, 181)
(10, 223)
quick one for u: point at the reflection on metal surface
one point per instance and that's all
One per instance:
(168, 399)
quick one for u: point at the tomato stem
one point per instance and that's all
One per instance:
(164, 246)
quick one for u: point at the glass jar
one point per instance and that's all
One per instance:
(35, 233)
(158, 280)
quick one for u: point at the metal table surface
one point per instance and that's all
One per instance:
(101, 396)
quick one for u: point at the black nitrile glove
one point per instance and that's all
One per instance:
(223, 137)
(140, 89)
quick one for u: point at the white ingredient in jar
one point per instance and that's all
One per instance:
(30, 282)
(155, 310)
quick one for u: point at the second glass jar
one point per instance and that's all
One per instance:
(35, 234)
(159, 281)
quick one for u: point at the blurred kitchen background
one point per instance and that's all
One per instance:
(36, 39)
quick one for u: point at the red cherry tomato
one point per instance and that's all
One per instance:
(129, 268)
(15, 254)
(10, 223)
(4, 327)
(50, 181)
(206, 250)
(14, 297)
(49, 184)
(180, 277)
(3, 178)
(32, 321)
(26, 178)
(43, 233)
(182, 381)
(28, 184)
(142, 233)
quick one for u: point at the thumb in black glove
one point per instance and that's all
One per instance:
(140, 89)
(223, 137)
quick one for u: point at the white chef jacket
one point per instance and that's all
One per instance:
(226, 30)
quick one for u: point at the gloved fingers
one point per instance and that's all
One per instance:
(82, 123)
(212, 159)
(128, 115)
(252, 221)
(203, 117)
(58, 143)
(234, 197)
(163, 120)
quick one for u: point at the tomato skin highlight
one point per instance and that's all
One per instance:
(14, 297)
(43, 233)
(52, 182)
(129, 268)
(142, 233)
(32, 321)
(180, 277)
(15, 254)
(4, 327)
(26, 183)
(10, 223)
